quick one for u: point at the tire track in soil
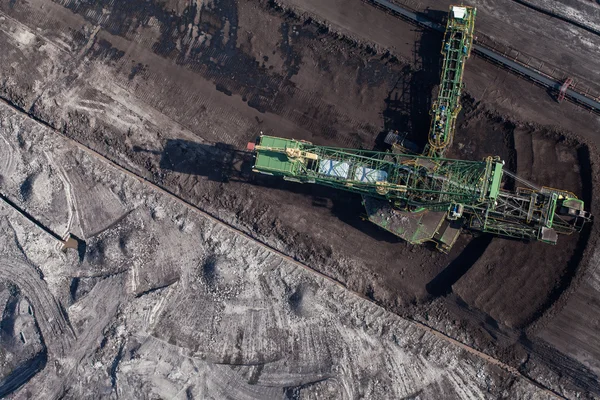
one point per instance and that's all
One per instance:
(58, 337)
(455, 343)
(275, 90)
(55, 329)
(169, 109)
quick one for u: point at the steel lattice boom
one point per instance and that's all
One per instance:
(468, 192)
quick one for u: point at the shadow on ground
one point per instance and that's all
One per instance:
(224, 163)
(409, 102)
(441, 285)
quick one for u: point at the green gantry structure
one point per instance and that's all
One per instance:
(430, 198)
(456, 48)
(465, 193)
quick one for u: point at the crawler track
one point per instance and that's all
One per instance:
(489, 54)
(487, 358)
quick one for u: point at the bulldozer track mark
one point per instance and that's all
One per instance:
(55, 329)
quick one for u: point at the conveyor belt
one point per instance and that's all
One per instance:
(491, 55)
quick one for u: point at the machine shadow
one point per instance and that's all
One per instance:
(220, 162)
(409, 102)
(441, 285)
(224, 163)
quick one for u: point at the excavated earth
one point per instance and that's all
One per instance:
(161, 302)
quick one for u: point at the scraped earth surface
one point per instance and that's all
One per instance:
(161, 302)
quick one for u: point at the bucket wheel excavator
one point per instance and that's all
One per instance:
(429, 198)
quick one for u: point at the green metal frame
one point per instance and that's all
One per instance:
(416, 181)
(456, 48)
(422, 198)
(435, 184)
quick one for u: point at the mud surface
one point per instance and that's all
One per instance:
(174, 90)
